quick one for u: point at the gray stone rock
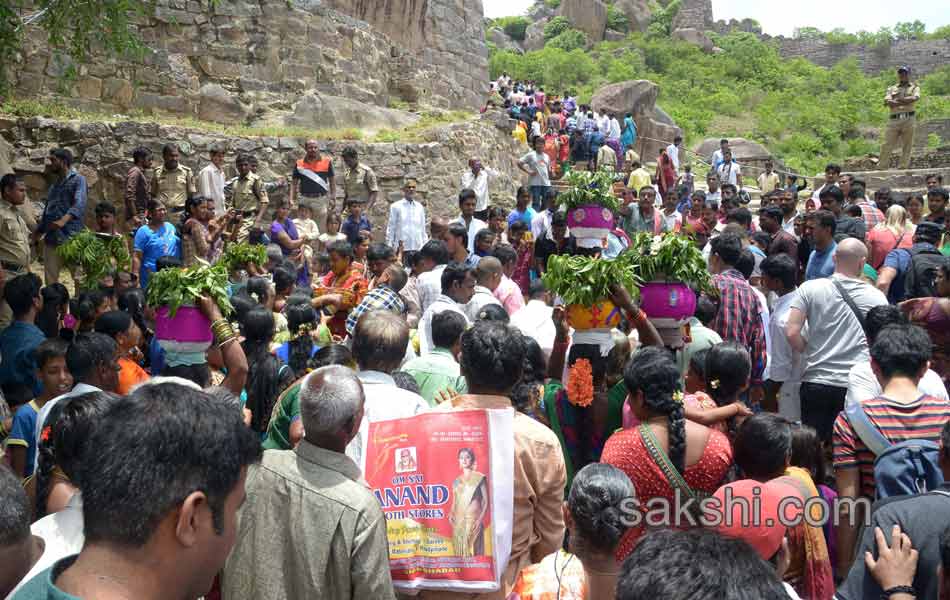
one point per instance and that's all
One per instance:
(502, 41)
(638, 13)
(534, 36)
(637, 97)
(742, 149)
(612, 35)
(590, 16)
(694, 37)
(334, 112)
(219, 105)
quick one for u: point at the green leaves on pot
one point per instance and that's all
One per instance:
(97, 256)
(177, 287)
(589, 187)
(584, 280)
(672, 257)
(236, 256)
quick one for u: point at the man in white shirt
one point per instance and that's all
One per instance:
(673, 151)
(832, 174)
(779, 275)
(211, 180)
(613, 130)
(534, 320)
(487, 277)
(789, 205)
(430, 263)
(729, 170)
(473, 225)
(537, 165)
(863, 384)
(407, 221)
(717, 157)
(458, 286)
(379, 344)
(834, 340)
(477, 179)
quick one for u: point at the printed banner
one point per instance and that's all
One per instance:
(444, 481)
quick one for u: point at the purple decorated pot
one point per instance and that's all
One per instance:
(667, 300)
(188, 331)
(590, 222)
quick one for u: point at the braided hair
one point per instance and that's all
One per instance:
(595, 501)
(586, 451)
(653, 372)
(70, 424)
(524, 395)
(263, 377)
(300, 346)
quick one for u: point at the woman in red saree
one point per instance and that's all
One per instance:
(665, 174)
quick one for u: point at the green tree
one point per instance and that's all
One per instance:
(568, 40)
(74, 28)
(617, 19)
(514, 27)
(556, 27)
(807, 33)
(940, 33)
(910, 31)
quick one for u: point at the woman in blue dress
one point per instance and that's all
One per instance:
(629, 136)
(152, 241)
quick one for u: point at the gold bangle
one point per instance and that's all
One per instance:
(226, 341)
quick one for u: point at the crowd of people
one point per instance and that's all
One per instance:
(817, 372)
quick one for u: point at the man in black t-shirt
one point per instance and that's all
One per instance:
(557, 243)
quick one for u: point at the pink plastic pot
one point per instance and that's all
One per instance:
(590, 222)
(669, 307)
(188, 331)
(667, 300)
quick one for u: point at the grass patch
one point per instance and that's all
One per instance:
(55, 110)
(416, 131)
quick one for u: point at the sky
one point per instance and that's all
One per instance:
(781, 18)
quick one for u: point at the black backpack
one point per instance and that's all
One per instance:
(922, 272)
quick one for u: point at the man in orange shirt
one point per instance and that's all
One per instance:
(313, 179)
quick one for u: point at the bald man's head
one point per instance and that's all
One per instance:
(331, 401)
(437, 227)
(850, 256)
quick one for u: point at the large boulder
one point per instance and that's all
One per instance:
(637, 97)
(590, 16)
(501, 40)
(534, 36)
(694, 37)
(334, 112)
(742, 149)
(653, 135)
(218, 104)
(637, 11)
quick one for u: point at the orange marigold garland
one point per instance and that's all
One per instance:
(580, 383)
(44, 435)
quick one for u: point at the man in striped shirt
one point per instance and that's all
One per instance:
(900, 357)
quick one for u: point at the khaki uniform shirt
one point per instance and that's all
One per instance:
(248, 194)
(768, 182)
(540, 476)
(310, 528)
(358, 182)
(15, 225)
(898, 92)
(172, 188)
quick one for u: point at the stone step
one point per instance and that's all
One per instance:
(901, 179)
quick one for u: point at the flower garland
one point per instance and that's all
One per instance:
(580, 383)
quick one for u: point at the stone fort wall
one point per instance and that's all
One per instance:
(923, 56)
(238, 60)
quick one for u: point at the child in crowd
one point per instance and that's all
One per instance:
(56, 380)
(355, 223)
(496, 223)
(88, 307)
(308, 230)
(332, 232)
(321, 264)
(686, 179)
(809, 454)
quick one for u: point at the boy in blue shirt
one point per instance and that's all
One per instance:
(56, 381)
(355, 222)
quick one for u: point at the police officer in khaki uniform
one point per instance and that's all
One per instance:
(900, 99)
(16, 223)
(359, 181)
(246, 198)
(172, 183)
